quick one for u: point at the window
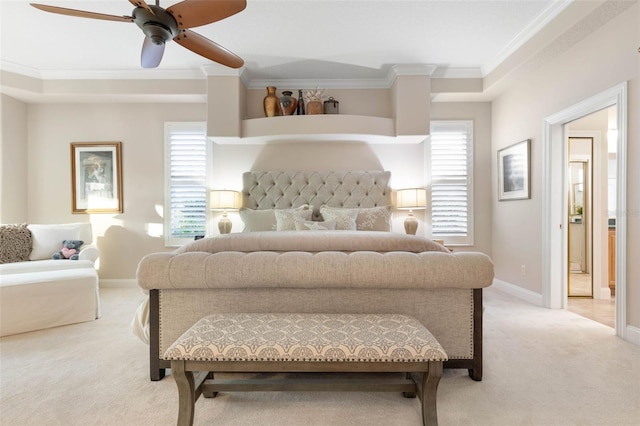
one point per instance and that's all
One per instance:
(450, 170)
(186, 182)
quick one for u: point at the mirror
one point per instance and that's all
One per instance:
(577, 170)
(580, 282)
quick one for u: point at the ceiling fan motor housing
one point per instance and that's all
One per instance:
(160, 28)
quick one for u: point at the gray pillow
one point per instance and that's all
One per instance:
(15, 243)
(366, 218)
(345, 219)
(264, 220)
(286, 218)
(258, 220)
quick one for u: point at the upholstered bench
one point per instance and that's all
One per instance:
(324, 343)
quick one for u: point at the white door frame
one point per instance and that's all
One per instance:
(554, 201)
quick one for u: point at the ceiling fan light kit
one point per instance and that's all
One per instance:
(161, 25)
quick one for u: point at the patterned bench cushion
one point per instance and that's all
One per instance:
(307, 337)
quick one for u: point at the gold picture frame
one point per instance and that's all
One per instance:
(514, 172)
(96, 177)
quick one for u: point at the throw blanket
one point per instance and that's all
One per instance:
(313, 242)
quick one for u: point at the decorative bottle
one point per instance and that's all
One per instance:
(271, 103)
(300, 109)
(288, 103)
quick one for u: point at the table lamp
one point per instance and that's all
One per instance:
(224, 200)
(411, 199)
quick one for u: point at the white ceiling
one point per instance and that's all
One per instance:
(280, 39)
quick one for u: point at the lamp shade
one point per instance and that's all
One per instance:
(411, 198)
(224, 200)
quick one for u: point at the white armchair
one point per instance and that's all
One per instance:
(39, 292)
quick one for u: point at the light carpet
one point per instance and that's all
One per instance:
(541, 367)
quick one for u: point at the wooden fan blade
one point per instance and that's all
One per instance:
(143, 4)
(193, 13)
(81, 13)
(207, 48)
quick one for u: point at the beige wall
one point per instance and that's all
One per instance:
(603, 59)
(122, 238)
(13, 161)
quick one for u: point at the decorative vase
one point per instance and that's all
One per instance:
(300, 109)
(270, 103)
(288, 103)
(314, 107)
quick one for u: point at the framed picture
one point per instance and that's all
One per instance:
(96, 177)
(514, 171)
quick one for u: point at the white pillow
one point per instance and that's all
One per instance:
(367, 218)
(286, 218)
(258, 220)
(263, 220)
(47, 239)
(345, 219)
(312, 225)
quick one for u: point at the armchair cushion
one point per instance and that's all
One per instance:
(47, 238)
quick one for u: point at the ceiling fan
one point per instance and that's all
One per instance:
(161, 25)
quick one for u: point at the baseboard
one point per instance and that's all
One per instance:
(633, 335)
(118, 283)
(519, 292)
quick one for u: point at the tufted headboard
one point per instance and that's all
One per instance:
(283, 190)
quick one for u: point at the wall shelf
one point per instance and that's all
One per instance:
(317, 128)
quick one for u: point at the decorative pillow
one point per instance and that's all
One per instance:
(15, 243)
(258, 220)
(367, 218)
(46, 238)
(262, 220)
(312, 225)
(345, 219)
(286, 218)
(374, 219)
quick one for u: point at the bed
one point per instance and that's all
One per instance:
(306, 251)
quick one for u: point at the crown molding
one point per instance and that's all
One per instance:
(542, 20)
(450, 72)
(132, 74)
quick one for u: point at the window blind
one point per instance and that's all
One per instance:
(451, 163)
(186, 202)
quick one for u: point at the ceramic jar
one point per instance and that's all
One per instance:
(288, 103)
(271, 103)
(314, 107)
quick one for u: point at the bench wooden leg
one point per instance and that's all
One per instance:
(408, 394)
(429, 393)
(186, 393)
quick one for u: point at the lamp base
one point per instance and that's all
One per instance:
(411, 225)
(224, 226)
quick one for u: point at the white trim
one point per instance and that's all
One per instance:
(453, 72)
(533, 28)
(519, 292)
(118, 283)
(554, 201)
(128, 74)
(633, 335)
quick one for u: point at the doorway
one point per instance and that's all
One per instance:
(556, 198)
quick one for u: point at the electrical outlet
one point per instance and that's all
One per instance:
(523, 269)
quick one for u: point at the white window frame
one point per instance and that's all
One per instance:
(438, 126)
(171, 128)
